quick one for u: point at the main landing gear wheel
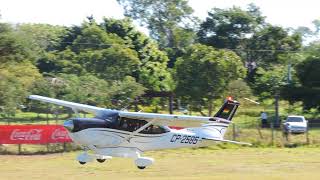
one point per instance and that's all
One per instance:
(141, 167)
(101, 160)
(81, 162)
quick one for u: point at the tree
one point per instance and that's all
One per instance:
(94, 51)
(238, 89)
(171, 23)
(270, 50)
(13, 47)
(87, 89)
(124, 93)
(309, 77)
(203, 73)
(230, 28)
(113, 63)
(272, 45)
(16, 81)
(160, 17)
(260, 45)
(308, 71)
(268, 83)
(112, 51)
(42, 37)
(152, 71)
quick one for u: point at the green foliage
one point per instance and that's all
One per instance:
(13, 47)
(60, 62)
(238, 89)
(268, 83)
(123, 93)
(41, 37)
(275, 44)
(306, 87)
(308, 71)
(156, 77)
(309, 77)
(93, 37)
(152, 71)
(110, 64)
(266, 49)
(170, 23)
(86, 89)
(203, 73)
(230, 28)
(274, 51)
(160, 17)
(16, 79)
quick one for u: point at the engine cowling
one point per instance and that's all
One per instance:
(78, 124)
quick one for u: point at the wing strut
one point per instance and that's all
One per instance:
(139, 130)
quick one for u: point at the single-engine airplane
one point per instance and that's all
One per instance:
(113, 133)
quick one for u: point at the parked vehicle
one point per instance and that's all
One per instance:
(295, 124)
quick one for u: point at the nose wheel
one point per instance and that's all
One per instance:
(82, 162)
(141, 167)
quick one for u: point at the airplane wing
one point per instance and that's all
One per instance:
(228, 141)
(165, 119)
(74, 106)
(224, 115)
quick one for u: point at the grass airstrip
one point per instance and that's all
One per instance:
(203, 163)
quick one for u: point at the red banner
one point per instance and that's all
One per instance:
(33, 134)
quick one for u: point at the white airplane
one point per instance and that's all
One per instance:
(113, 133)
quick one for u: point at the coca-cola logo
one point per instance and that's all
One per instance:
(32, 134)
(59, 134)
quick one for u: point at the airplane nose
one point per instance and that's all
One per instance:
(69, 125)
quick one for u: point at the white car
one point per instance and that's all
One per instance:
(295, 124)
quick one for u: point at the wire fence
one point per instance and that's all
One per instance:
(274, 135)
(251, 131)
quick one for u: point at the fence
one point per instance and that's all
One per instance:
(274, 135)
(246, 131)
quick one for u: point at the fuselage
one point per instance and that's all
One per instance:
(108, 141)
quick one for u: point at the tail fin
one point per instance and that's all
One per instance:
(223, 118)
(227, 110)
(214, 132)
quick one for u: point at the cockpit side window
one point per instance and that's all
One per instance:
(131, 125)
(155, 129)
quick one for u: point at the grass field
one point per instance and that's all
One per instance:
(204, 163)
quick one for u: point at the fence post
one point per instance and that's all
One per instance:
(233, 131)
(64, 147)
(284, 138)
(259, 131)
(57, 118)
(272, 133)
(307, 134)
(19, 149)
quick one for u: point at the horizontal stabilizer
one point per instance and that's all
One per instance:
(228, 141)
